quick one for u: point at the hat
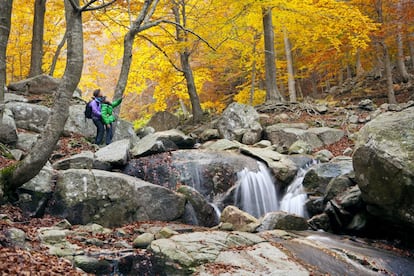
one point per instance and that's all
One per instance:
(96, 92)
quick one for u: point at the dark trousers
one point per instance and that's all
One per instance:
(109, 134)
(100, 129)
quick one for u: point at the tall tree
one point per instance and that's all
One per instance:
(30, 166)
(290, 68)
(400, 44)
(272, 92)
(5, 23)
(180, 16)
(36, 56)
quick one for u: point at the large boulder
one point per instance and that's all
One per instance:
(318, 177)
(115, 154)
(83, 160)
(384, 166)
(8, 131)
(29, 116)
(124, 130)
(163, 120)
(78, 124)
(112, 199)
(41, 84)
(162, 141)
(26, 140)
(240, 122)
(10, 97)
(283, 221)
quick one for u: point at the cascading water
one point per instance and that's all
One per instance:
(256, 193)
(293, 201)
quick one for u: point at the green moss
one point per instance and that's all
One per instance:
(5, 176)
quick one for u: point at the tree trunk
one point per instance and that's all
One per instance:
(179, 10)
(359, 69)
(411, 47)
(57, 53)
(291, 72)
(39, 154)
(5, 23)
(272, 92)
(388, 75)
(402, 70)
(128, 46)
(37, 38)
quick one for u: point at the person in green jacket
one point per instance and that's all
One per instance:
(108, 118)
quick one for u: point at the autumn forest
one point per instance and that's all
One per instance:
(196, 56)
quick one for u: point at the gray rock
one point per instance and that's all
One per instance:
(240, 220)
(161, 142)
(321, 108)
(8, 130)
(52, 236)
(209, 134)
(282, 221)
(93, 265)
(320, 221)
(112, 199)
(384, 166)
(300, 147)
(221, 145)
(163, 120)
(83, 160)
(29, 116)
(26, 141)
(124, 130)
(78, 124)
(263, 144)
(366, 104)
(16, 236)
(315, 205)
(17, 154)
(165, 233)
(41, 84)
(336, 186)
(34, 195)
(318, 177)
(327, 135)
(324, 155)
(353, 119)
(203, 211)
(10, 97)
(144, 131)
(183, 254)
(238, 120)
(115, 154)
(143, 240)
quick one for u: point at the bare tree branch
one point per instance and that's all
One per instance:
(74, 5)
(85, 8)
(151, 11)
(162, 51)
(158, 22)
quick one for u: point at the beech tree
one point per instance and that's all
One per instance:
(36, 54)
(15, 176)
(5, 22)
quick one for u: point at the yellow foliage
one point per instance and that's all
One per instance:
(244, 96)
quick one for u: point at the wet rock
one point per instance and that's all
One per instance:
(240, 122)
(240, 220)
(282, 221)
(203, 211)
(163, 120)
(315, 205)
(318, 177)
(336, 186)
(320, 221)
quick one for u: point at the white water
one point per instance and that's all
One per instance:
(256, 193)
(294, 200)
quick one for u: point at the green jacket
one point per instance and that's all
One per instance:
(106, 111)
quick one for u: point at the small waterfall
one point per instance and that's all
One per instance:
(294, 200)
(256, 192)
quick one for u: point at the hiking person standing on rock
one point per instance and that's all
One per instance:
(95, 105)
(108, 118)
